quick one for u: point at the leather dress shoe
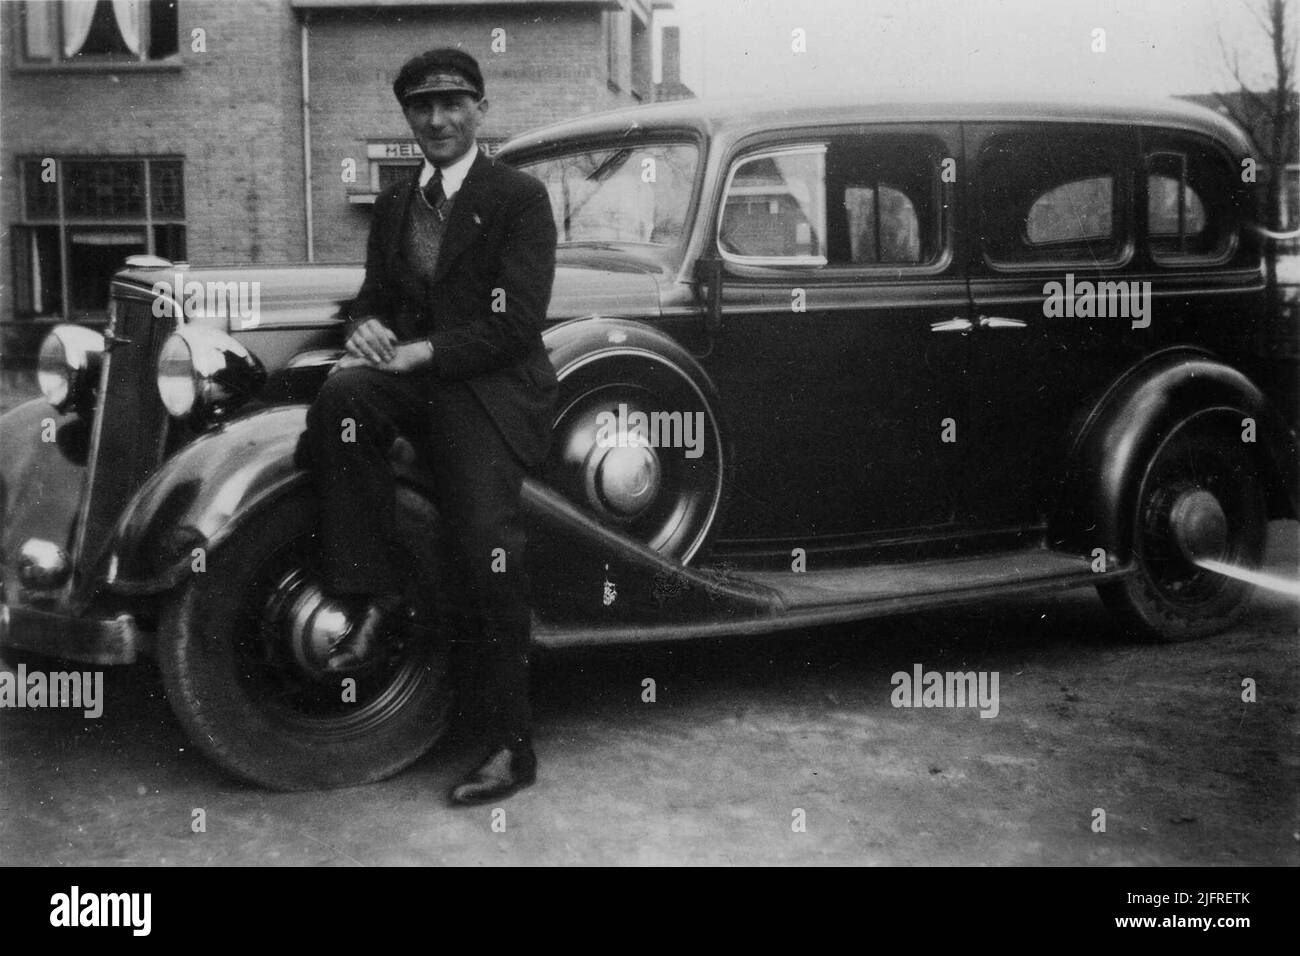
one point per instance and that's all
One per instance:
(352, 652)
(510, 767)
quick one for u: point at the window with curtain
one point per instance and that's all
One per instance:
(89, 31)
(1188, 197)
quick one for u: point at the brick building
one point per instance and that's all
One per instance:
(255, 131)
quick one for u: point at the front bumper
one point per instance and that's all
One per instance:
(116, 640)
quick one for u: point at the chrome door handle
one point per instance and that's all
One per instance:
(997, 322)
(951, 325)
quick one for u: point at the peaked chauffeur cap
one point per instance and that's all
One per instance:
(445, 70)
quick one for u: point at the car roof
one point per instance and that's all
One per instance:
(737, 116)
(734, 117)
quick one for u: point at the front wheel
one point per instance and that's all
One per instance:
(638, 444)
(242, 647)
(1200, 499)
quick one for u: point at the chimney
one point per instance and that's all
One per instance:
(672, 55)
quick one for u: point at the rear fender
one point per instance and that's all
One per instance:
(1123, 430)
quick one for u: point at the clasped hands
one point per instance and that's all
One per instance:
(375, 344)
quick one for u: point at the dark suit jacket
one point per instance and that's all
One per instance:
(483, 311)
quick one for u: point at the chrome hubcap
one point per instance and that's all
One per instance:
(623, 481)
(636, 445)
(309, 622)
(1199, 525)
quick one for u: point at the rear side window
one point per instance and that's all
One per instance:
(1055, 195)
(1083, 210)
(1188, 206)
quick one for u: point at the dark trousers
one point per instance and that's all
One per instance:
(477, 480)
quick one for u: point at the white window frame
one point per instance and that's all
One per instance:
(813, 262)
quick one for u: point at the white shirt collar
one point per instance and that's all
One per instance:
(453, 174)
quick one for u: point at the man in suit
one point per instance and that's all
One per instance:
(444, 347)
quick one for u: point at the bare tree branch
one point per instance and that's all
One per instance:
(1260, 15)
(1269, 114)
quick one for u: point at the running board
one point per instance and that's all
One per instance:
(813, 598)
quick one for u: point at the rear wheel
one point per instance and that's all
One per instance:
(242, 651)
(1200, 499)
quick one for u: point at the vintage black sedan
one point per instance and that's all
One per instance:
(819, 362)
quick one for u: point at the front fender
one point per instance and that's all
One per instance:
(200, 496)
(1126, 426)
(40, 480)
(222, 479)
(578, 341)
(605, 363)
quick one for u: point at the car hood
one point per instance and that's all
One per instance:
(588, 281)
(588, 288)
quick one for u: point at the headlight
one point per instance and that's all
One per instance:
(68, 365)
(206, 373)
(176, 376)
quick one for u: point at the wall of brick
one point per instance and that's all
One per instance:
(231, 112)
(234, 113)
(553, 67)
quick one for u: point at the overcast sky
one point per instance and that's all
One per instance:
(1036, 46)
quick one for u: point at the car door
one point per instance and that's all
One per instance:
(1052, 207)
(841, 352)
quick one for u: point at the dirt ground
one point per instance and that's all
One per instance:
(745, 733)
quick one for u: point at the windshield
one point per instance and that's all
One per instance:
(622, 194)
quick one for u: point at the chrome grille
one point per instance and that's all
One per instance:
(130, 430)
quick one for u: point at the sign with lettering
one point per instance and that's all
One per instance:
(408, 149)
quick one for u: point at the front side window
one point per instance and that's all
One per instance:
(635, 194)
(854, 201)
(775, 208)
(87, 31)
(80, 218)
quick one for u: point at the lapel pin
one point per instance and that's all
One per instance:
(477, 220)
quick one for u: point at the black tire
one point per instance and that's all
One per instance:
(1169, 597)
(246, 705)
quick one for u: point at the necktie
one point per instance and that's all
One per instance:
(433, 193)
